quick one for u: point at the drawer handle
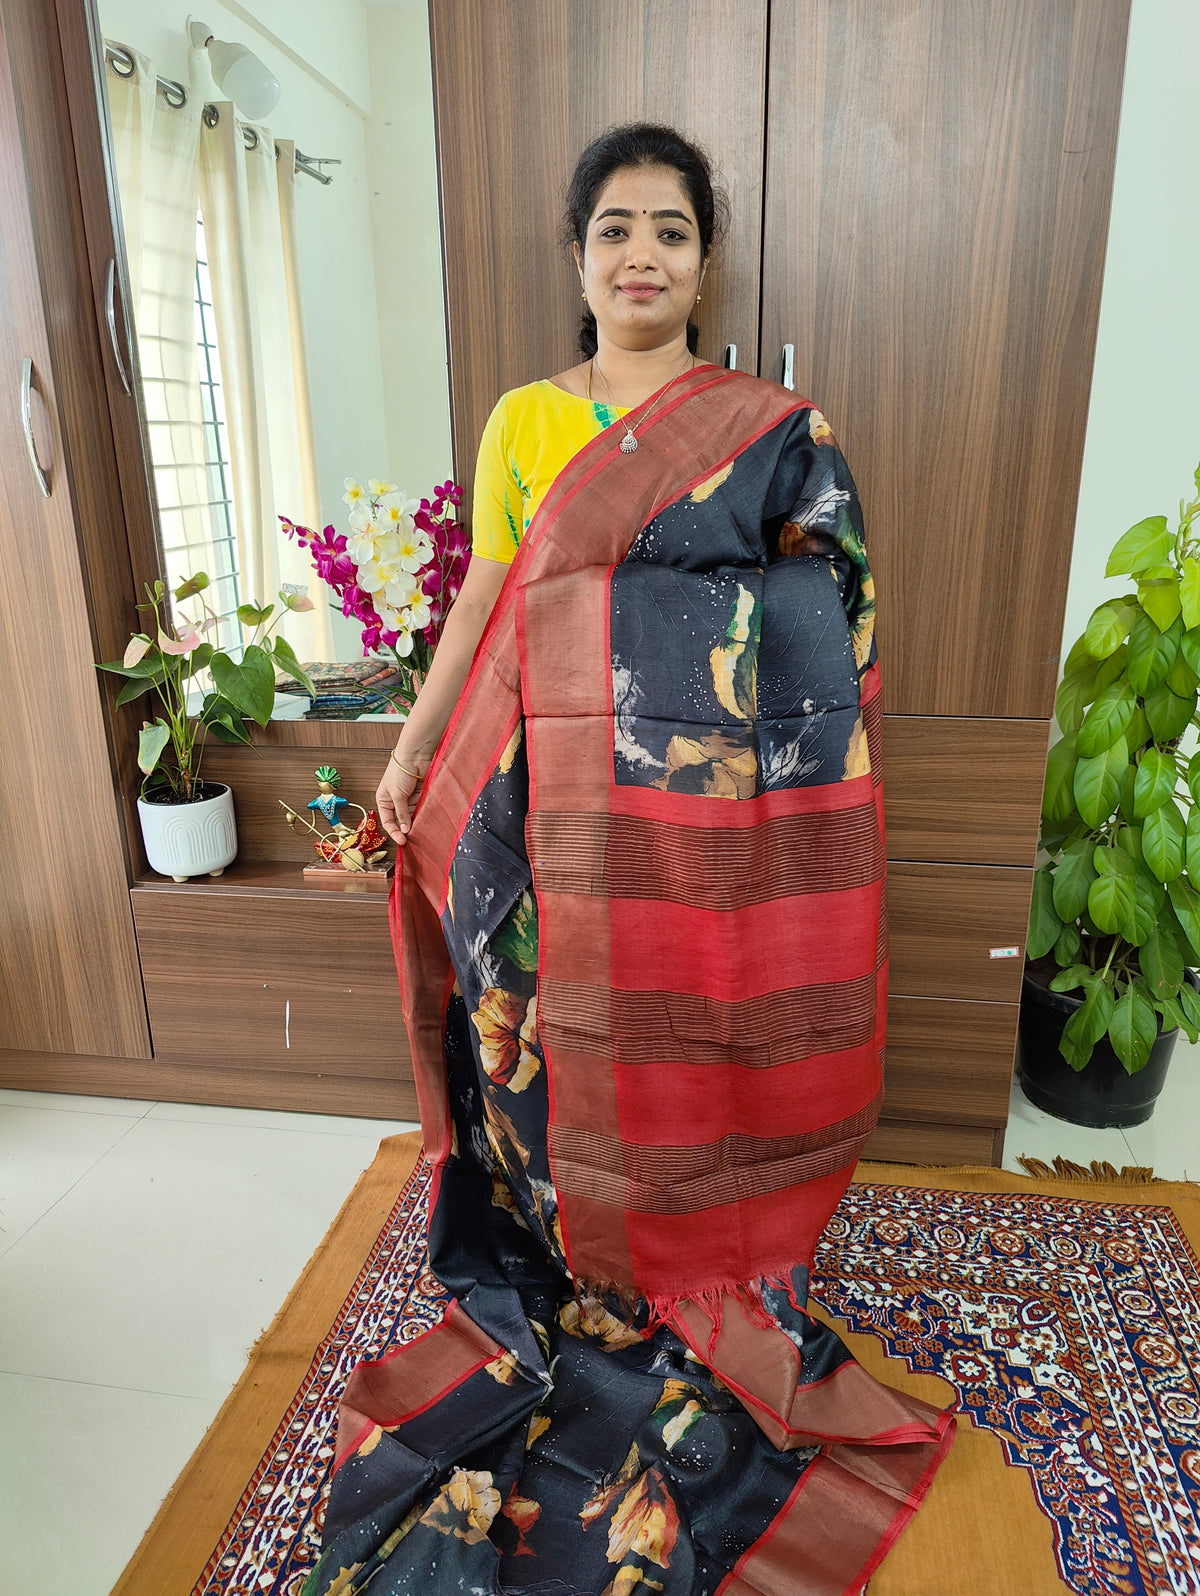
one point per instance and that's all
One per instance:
(788, 379)
(27, 425)
(730, 357)
(110, 319)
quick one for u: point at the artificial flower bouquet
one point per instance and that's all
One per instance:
(397, 571)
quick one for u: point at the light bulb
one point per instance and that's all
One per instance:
(238, 73)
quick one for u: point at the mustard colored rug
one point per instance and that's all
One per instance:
(1060, 1312)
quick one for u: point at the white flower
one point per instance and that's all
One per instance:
(414, 550)
(361, 547)
(404, 643)
(418, 613)
(354, 492)
(395, 498)
(377, 487)
(359, 520)
(400, 589)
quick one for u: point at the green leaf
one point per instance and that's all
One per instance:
(1068, 947)
(1044, 924)
(1168, 714)
(1080, 656)
(1110, 669)
(249, 686)
(1158, 594)
(1129, 840)
(1097, 783)
(1147, 902)
(1163, 839)
(1147, 543)
(1173, 1016)
(1133, 1027)
(1074, 693)
(193, 585)
(1189, 591)
(1181, 678)
(249, 614)
(1189, 647)
(1067, 980)
(1114, 861)
(1111, 902)
(132, 690)
(1151, 652)
(1058, 796)
(1107, 719)
(223, 720)
(1161, 964)
(1073, 875)
(1127, 809)
(1185, 901)
(198, 659)
(1137, 733)
(1108, 627)
(1154, 782)
(285, 658)
(1189, 1000)
(152, 740)
(1087, 1025)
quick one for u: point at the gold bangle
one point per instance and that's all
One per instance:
(415, 774)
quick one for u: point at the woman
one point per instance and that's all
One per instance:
(640, 929)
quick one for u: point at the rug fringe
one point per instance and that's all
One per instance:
(1099, 1170)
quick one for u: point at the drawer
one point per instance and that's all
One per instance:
(285, 983)
(949, 1061)
(899, 1142)
(963, 790)
(944, 922)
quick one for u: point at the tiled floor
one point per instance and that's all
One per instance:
(144, 1247)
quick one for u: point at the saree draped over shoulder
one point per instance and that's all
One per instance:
(641, 929)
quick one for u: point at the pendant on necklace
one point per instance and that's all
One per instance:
(628, 443)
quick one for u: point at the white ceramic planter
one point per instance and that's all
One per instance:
(185, 840)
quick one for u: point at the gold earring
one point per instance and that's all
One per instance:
(697, 298)
(583, 293)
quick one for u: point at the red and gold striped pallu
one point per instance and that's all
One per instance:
(650, 852)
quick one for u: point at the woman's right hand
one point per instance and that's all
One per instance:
(396, 795)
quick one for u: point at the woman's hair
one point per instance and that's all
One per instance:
(641, 144)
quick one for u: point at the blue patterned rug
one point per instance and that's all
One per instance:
(1067, 1327)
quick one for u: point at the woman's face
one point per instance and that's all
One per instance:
(642, 264)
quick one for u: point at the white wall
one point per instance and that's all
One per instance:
(1143, 434)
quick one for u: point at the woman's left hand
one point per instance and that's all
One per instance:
(396, 795)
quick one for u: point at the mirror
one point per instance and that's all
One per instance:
(284, 270)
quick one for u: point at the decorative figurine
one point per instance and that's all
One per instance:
(353, 858)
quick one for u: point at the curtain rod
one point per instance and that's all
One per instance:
(124, 64)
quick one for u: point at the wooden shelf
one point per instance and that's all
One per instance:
(327, 733)
(257, 878)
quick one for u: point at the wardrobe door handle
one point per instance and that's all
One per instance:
(788, 379)
(110, 317)
(730, 357)
(27, 426)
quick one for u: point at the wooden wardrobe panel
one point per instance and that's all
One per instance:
(961, 790)
(937, 194)
(902, 1142)
(69, 976)
(520, 86)
(949, 1061)
(945, 922)
(282, 983)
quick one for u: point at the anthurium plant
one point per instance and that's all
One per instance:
(165, 659)
(1118, 902)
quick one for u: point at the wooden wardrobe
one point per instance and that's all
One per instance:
(919, 194)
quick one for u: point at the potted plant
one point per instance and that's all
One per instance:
(1114, 928)
(188, 824)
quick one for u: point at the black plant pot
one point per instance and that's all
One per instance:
(1101, 1094)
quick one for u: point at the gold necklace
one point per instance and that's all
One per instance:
(629, 443)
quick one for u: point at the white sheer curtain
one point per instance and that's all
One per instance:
(156, 148)
(247, 203)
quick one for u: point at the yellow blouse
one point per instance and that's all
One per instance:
(529, 437)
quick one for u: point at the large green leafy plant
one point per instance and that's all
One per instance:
(1118, 903)
(165, 660)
